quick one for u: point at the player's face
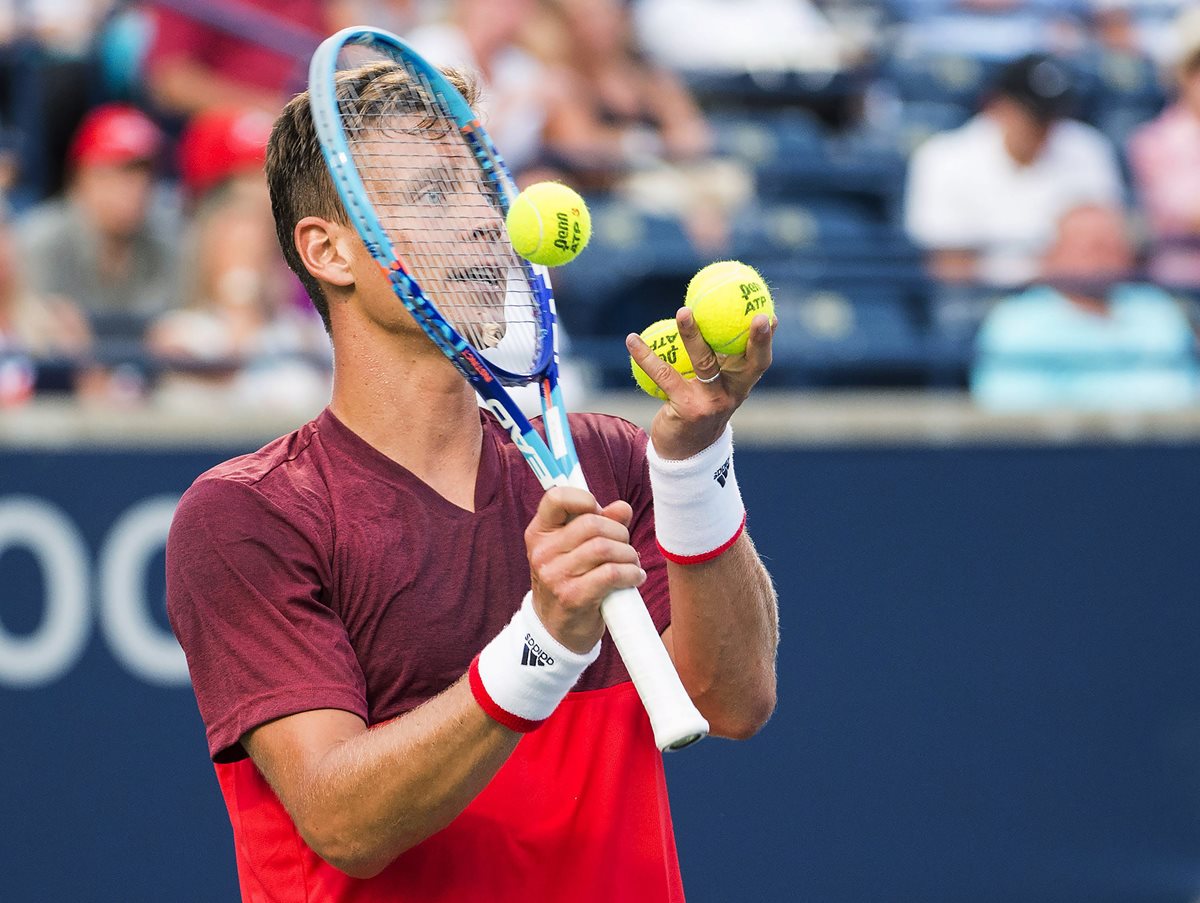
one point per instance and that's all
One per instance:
(439, 213)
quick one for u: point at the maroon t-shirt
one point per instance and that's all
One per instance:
(318, 573)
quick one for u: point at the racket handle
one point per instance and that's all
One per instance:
(674, 718)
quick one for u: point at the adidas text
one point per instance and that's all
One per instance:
(535, 655)
(722, 473)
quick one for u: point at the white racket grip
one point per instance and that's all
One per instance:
(674, 718)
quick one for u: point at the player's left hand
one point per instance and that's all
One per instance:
(697, 410)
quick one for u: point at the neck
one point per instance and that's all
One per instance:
(403, 398)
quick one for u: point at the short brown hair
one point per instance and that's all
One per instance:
(298, 181)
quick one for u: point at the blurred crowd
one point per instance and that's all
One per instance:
(1030, 168)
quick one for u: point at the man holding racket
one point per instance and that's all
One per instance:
(395, 634)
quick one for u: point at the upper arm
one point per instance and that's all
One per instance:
(247, 598)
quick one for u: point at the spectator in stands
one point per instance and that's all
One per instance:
(222, 145)
(1165, 157)
(396, 16)
(239, 337)
(32, 327)
(629, 125)
(1087, 338)
(104, 245)
(232, 53)
(982, 199)
(481, 36)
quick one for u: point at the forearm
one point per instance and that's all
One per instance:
(723, 636)
(367, 798)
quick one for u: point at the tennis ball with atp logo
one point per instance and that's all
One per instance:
(549, 224)
(724, 298)
(663, 339)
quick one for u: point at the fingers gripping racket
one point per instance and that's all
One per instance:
(426, 189)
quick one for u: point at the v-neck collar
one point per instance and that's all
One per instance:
(487, 476)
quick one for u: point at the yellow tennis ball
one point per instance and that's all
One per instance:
(724, 297)
(663, 339)
(549, 224)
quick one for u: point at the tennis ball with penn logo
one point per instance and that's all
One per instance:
(549, 224)
(663, 339)
(724, 297)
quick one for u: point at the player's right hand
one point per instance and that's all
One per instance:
(578, 553)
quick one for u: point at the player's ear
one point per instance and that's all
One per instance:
(319, 244)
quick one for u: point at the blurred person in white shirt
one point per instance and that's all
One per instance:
(738, 35)
(481, 36)
(983, 199)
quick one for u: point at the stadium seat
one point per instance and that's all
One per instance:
(784, 229)
(844, 334)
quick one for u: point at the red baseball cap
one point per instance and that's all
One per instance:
(115, 133)
(221, 143)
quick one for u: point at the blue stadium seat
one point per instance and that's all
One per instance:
(939, 78)
(768, 139)
(826, 329)
(785, 229)
(923, 119)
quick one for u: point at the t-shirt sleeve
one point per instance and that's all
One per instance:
(246, 599)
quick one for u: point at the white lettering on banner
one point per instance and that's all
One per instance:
(54, 647)
(137, 642)
(147, 650)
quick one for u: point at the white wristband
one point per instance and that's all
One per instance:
(698, 510)
(522, 675)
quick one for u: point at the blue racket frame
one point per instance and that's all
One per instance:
(555, 462)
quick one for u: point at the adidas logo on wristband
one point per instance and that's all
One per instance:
(534, 655)
(523, 695)
(722, 473)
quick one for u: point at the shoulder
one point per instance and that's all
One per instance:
(284, 480)
(1146, 134)
(949, 158)
(1016, 317)
(968, 138)
(1078, 139)
(46, 222)
(1151, 301)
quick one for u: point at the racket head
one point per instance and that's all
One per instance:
(423, 184)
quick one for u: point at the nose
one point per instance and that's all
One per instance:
(486, 224)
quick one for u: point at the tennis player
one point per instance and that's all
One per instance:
(344, 594)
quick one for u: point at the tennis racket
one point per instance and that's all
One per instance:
(428, 192)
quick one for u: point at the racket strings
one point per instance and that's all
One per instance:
(441, 212)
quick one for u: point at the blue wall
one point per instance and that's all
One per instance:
(990, 688)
